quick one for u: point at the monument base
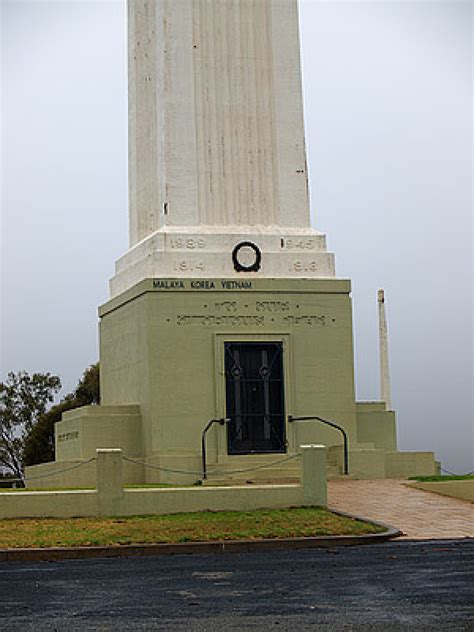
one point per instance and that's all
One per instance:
(177, 353)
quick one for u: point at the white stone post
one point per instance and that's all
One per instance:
(313, 475)
(109, 481)
(385, 389)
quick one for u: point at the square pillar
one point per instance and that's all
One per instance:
(313, 475)
(109, 481)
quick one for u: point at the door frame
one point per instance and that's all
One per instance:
(278, 427)
(220, 390)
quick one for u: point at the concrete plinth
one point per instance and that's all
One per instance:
(163, 378)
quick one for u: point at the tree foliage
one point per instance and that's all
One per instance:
(39, 444)
(24, 398)
(88, 390)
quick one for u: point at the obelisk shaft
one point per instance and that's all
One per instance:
(217, 158)
(216, 117)
(385, 388)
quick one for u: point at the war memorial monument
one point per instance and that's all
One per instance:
(227, 305)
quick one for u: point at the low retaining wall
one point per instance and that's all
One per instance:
(111, 499)
(456, 489)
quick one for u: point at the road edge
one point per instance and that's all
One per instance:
(201, 548)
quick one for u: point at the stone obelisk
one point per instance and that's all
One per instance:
(385, 387)
(216, 143)
(226, 305)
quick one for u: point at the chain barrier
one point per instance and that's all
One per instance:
(67, 469)
(214, 472)
(184, 472)
(159, 468)
(453, 474)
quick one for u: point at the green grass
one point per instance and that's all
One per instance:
(188, 527)
(440, 478)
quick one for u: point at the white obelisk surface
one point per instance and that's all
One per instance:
(216, 141)
(385, 387)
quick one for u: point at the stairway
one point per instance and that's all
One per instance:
(263, 470)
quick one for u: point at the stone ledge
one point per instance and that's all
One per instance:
(226, 286)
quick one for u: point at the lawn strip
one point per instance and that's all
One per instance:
(177, 528)
(442, 478)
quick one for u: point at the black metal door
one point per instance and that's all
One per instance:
(255, 397)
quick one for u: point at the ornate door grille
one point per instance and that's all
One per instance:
(255, 397)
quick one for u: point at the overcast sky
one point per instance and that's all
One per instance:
(388, 104)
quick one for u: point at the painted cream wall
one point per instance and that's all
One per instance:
(82, 430)
(162, 380)
(181, 372)
(377, 425)
(109, 498)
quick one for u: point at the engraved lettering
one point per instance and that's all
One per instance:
(300, 244)
(312, 321)
(236, 285)
(272, 306)
(300, 266)
(216, 321)
(68, 436)
(203, 285)
(178, 243)
(226, 306)
(187, 266)
(167, 284)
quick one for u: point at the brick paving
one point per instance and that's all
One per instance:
(420, 515)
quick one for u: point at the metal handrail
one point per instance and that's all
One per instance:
(221, 422)
(291, 419)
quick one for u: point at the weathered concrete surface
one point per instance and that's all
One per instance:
(216, 142)
(390, 587)
(111, 499)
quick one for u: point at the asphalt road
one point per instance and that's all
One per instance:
(393, 586)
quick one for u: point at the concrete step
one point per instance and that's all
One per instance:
(282, 476)
(333, 471)
(266, 473)
(287, 480)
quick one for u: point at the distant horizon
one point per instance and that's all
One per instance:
(388, 111)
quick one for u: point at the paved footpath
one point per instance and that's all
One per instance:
(420, 515)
